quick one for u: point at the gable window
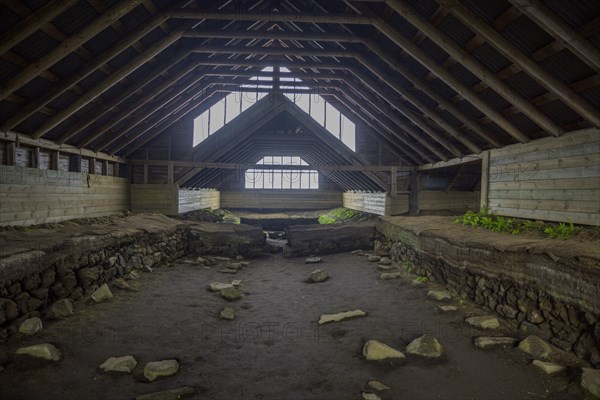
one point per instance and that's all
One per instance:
(266, 175)
(313, 104)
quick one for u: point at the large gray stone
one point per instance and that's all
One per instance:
(374, 350)
(45, 351)
(218, 286)
(227, 313)
(548, 367)
(390, 275)
(385, 261)
(483, 322)
(590, 381)
(230, 293)
(120, 283)
(357, 252)
(154, 369)
(101, 294)
(484, 342)
(370, 396)
(373, 258)
(318, 275)
(376, 385)
(439, 295)
(60, 309)
(119, 364)
(31, 326)
(171, 394)
(326, 318)
(536, 347)
(313, 260)
(425, 346)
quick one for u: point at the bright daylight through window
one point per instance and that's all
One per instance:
(235, 103)
(269, 178)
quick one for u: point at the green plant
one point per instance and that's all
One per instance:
(422, 279)
(342, 214)
(562, 231)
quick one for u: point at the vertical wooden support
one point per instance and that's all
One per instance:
(11, 153)
(413, 197)
(117, 170)
(75, 163)
(105, 168)
(145, 173)
(394, 181)
(92, 166)
(35, 158)
(170, 173)
(485, 179)
(54, 160)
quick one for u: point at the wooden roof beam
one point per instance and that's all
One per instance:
(510, 51)
(32, 23)
(112, 80)
(555, 26)
(311, 18)
(82, 73)
(67, 46)
(479, 70)
(220, 34)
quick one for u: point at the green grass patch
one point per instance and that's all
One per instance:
(342, 214)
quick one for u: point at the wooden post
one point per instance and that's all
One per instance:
(105, 168)
(170, 173)
(145, 173)
(11, 153)
(75, 163)
(394, 181)
(54, 160)
(35, 158)
(413, 197)
(485, 179)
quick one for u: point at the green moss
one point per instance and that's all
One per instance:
(342, 214)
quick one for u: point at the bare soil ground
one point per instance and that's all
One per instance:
(274, 349)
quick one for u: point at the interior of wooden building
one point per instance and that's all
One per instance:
(169, 171)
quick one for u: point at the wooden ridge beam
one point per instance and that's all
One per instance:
(479, 70)
(279, 35)
(311, 18)
(67, 46)
(32, 23)
(555, 26)
(510, 51)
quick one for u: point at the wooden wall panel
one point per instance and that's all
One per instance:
(32, 196)
(157, 198)
(281, 199)
(190, 200)
(554, 179)
(379, 203)
(454, 201)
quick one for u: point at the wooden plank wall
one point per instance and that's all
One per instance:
(454, 201)
(281, 199)
(379, 203)
(156, 198)
(31, 196)
(553, 179)
(190, 200)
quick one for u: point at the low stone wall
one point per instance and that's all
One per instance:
(315, 239)
(41, 266)
(548, 287)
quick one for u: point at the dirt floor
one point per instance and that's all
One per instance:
(274, 349)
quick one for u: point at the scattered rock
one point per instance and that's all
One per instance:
(390, 275)
(218, 258)
(370, 396)
(483, 322)
(230, 293)
(439, 295)
(119, 364)
(60, 309)
(417, 282)
(376, 385)
(120, 283)
(236, 282)
(227, 271)
(227, 313)
(245, 263)
(132, 276)
(447, 308)
(318, 275)
(44, 350)
(536, 347)
(375, 351)
(590, 381)
(548, 367)
(147, 268)
(373, 258)
(201, 261)
(154, 369)
(357, 253)
(385, 261)
(384, 267)
(171, 394)
(102, 293)
(484, 342)
(239, 258)
(234, 265)
(31, 326)
(312, 260)
(425, 346)
(218, 286)
(326, 318)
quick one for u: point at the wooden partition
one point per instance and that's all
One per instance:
(281, 199)
(170, 200)
(190, 199)
(30, 196)
(455, 201)
(379, 203)
(553, 179)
